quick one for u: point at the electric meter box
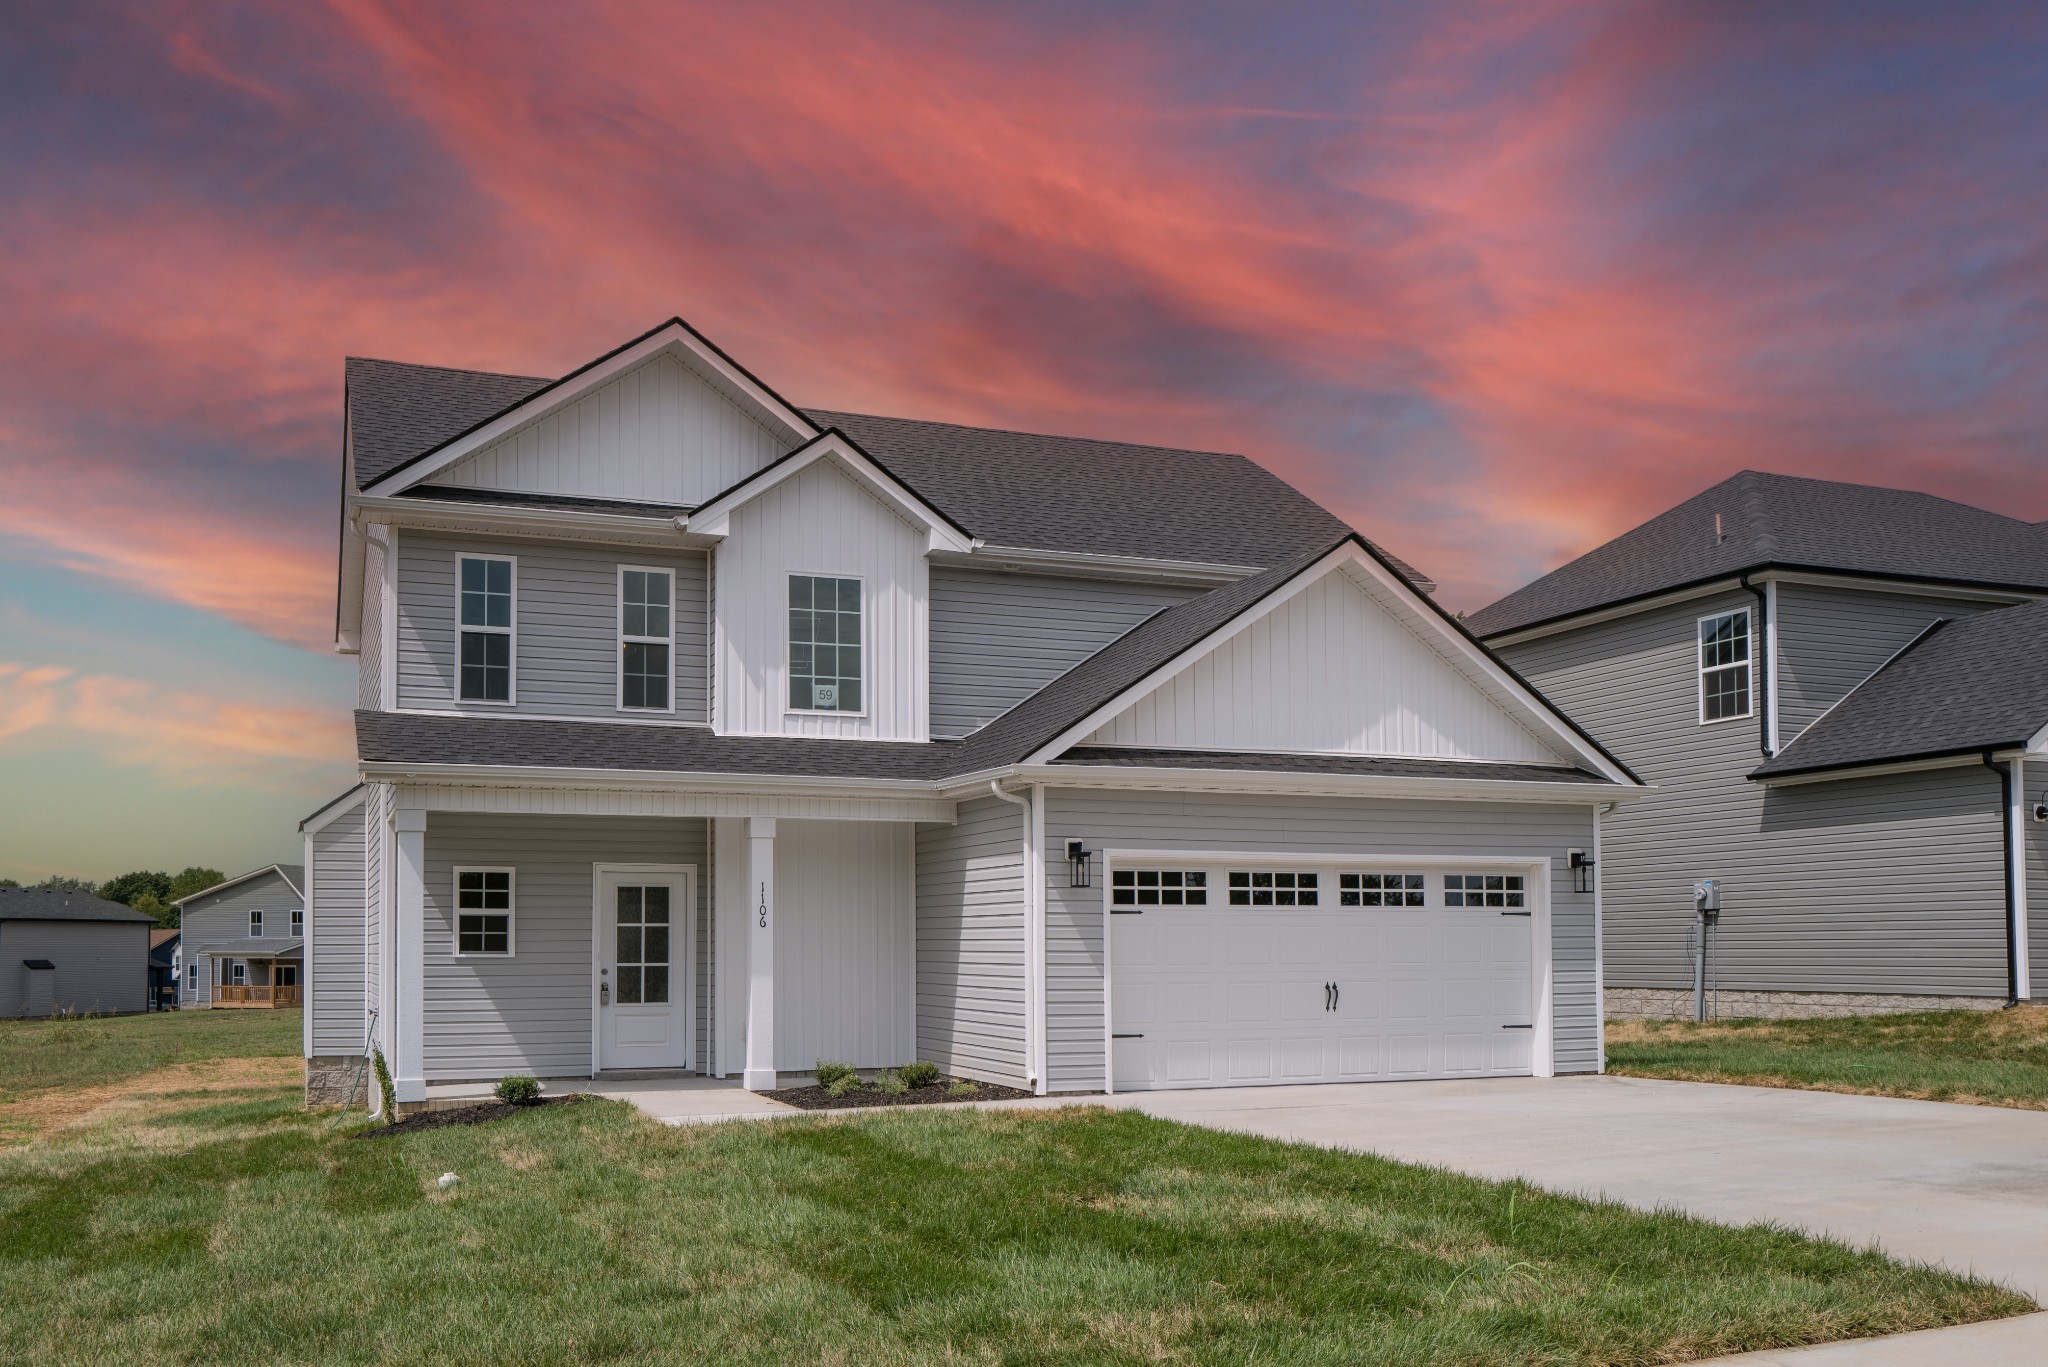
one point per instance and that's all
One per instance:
(1706, 895)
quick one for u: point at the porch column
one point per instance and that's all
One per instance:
(759, 1075)
(408, 1066)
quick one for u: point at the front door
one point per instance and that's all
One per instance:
(643, 992)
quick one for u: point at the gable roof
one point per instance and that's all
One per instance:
(832, 444)
(294, 875)
(1022, 490)
(1970, 684)
(1786, 522)
(45, 904)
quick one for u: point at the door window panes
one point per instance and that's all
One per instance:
(643, 945)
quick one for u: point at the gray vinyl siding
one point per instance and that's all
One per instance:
(225, 916)
(1830, 640)
(566, 610)
(102, 966)
(1884, 885)
(998, 638)
(970, 943)
(1307, 825)
(488, 1017)
(335, 969)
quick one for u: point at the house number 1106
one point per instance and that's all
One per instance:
(763, 922)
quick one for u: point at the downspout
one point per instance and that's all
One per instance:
(1033, 874)
(1600, 809)
(1762, 649)
(2007, 827)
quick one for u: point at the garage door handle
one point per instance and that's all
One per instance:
(1127, 1037)
(1518, 1027)
(1126, 911)
(1336, 995)
(1514, 913)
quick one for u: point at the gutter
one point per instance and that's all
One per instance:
(1766, 693)
(2014, 912)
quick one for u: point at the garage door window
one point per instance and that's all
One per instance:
(1255, 889)
(1379, 889)
(1482, 889)
(1159, 888)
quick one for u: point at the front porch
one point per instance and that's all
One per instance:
(252, 974)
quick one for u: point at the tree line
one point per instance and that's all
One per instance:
(146, 890)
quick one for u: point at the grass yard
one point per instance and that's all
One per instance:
(586, 1233)
(1984, 1058)
(54, 1071)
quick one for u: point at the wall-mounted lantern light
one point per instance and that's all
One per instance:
(1582, 870)
(1079, 865)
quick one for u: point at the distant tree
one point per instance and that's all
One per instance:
(129, 886)
(59, 883)
(149, 904)
(193, 880)
(9, 883)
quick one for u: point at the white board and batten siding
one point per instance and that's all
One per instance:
(338, 926)
(1285, 832)
(566, 635)
(970, 943)
(1330, 670)
(999, 638)
(821, 522)
(656, 434)
(370, 659)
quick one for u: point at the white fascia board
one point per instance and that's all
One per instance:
(1478, 665)
(672, 338)
(348, 598)
(1027, 560)
(1325, 785)
(455, 516)
(326, 816)
(714, 519)
(2038, 744)
(238, 879)
(1910, 766)
(544, 776)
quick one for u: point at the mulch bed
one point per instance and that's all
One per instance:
(816, 1098)
(483, 1113)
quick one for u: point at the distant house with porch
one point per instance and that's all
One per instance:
(243, 942)
(70, 951)
(163, 969)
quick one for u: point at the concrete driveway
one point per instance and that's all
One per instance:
(1965, 1187)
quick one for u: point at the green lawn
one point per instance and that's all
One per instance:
(88, 1051)
(586, 1233)
(1987, 1058)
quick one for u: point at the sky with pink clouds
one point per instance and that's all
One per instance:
(1492, 281)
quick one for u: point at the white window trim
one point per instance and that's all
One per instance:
(511, 912)
(1701, 669)
(298, 924)
(511, 632)
(619, 653)
(866, 653)
(255, 925)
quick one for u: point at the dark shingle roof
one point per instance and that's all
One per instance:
(1975, 683)
(42, 904)
(397, 410)
(1069, 494)
(1786, 521)
(1362, 765)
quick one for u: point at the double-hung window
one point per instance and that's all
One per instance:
(824, 644)
(483, 911)
(298, 924)
(646, 620)
(256, 925)
(484, 664)
(1724, 666)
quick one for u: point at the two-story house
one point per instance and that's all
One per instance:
(242, 942)
(700, 731)
(1835, 690)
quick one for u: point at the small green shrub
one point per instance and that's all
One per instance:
(922, 1073)
(385, 1092)
(889, 1082)
(519, 1090)
(963, 1088)
(828, 1072)
(842, 1083)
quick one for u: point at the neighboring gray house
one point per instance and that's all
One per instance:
(71, 951)
(702, 732)
(242, 942)
(1835, 690)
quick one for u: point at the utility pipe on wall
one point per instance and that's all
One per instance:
(2012, 791)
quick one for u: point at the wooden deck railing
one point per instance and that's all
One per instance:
(228, 994)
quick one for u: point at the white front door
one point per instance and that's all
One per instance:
(645, 920)
(1321, 975)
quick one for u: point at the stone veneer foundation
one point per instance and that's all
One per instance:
(1661, 1003)
(337, 1081)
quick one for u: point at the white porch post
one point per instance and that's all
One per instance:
(408, 1067)
(759, 1075)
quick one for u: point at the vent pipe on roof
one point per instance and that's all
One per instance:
(1719, 535)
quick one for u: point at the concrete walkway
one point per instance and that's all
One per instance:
(1963, 1187)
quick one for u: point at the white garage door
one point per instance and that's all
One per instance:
(1250, 974)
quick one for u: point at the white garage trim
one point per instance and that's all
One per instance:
(1536, 883)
